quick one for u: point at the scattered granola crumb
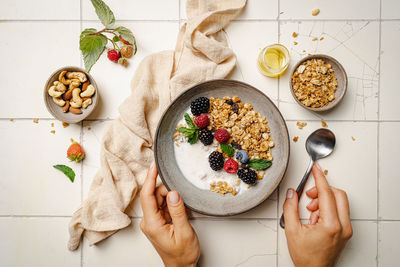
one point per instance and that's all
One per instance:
(325, 172)
(324, 124)
(89, 128)
(294, 34)
(65, 125)
(295, 139)
(281, 12)
(314, 39)
(308, 54)
(322, 38)
(72, 140)
(52, 124)
(11, 119)
(315, 12)
(352, 138)
(301, 125)
(304, 51)
(36, 120)
(53, 132)
(295, 43)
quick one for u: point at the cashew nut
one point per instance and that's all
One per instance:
(62, 79)
(60, 87)
(59, 101)
(53, 92)
(89, 91)
(76, 99)
(77, 75)
(74, 84)
(86, 103)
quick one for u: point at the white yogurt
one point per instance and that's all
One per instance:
(193, 162)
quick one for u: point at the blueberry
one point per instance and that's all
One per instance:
(242, 156)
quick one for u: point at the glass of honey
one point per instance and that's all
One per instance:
(273, 60)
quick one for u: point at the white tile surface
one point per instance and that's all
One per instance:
(347, 168)
(236, 242)
(255, 9)
(260, 35)
(29, 67)
(344, 41)
(114, 80)
(134, 10)
(389, 235)
(390, 58)
(39, 10)
(390, 9)
(29, 184)
(123, 249)
(339, 9)
(359, 251)
(389, 170)
(36, 242)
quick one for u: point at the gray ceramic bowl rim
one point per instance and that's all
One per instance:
(47, 85)
(336, 101)
(186, 92)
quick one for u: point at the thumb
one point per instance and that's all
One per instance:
(291, 211)
(177, 211)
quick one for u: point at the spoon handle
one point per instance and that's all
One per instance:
(299, 189)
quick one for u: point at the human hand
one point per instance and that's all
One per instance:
(320, 242)
(166, 225)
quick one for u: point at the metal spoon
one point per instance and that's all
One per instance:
(319, 145)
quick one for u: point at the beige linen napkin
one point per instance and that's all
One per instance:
(201, 54)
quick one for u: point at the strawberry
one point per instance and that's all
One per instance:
(75, 152)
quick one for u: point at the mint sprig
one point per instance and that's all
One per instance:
(259, 164)
(92, 42)
(191, 133)
(67, 171)
(227, 149)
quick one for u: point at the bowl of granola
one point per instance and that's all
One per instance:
(223, 145)
(318, 82)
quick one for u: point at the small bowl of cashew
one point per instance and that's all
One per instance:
(70, 94)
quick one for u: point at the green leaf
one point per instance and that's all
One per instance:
(193, 138)
(67, 171)
(116, 38)
(92, 46)
(127, 35)
(104, 13)
(189, 122)
(87, 31)
(186, 130)
(260, 164)
(227, 149)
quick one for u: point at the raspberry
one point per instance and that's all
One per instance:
(200, 105)
(221, 135)
(113, 55)
(231, 166)
(123, 61)
(247, 175)
(202, 120)
(216, 160)
(206, 137)
(127, 51)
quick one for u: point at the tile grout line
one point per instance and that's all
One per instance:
(278, 189)
(377, 135)
(81, 135)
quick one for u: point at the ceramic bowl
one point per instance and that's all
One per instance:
(341, 77)
(56, 110)
(205, 201)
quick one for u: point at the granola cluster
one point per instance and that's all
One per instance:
(222, 187)
(314, 83)
(247, 129)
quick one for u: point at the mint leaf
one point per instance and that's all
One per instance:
(92, 46)
(227, 149)
(189, 122)
(67, 171)
(127, 35)
(193, 138)
(186, 130)
(104, 13)
(259, 164)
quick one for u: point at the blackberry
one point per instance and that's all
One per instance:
(200, 105)
(206, 136)
(216, 160)
(247, 175)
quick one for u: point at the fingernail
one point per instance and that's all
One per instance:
(173, 197)
(289, 193)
